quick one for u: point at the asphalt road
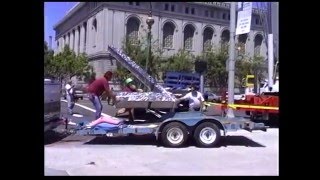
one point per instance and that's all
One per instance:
(239, 153)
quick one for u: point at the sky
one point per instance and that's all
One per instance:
(55, 11)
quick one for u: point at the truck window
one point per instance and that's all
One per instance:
(250, 81)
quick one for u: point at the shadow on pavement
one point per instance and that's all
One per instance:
(126, 140)
(150, 140)
(238, 141)
(53, 136)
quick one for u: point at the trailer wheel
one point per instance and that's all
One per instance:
(174, 135)
(207, 135)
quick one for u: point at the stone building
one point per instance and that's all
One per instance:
(195, 26)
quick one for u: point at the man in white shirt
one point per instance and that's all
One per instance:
(70, 96)
(195, 99)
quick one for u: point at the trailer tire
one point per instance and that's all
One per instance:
(174, 135)
(206, 135)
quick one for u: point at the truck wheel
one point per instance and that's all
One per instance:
(207, 135)
(174, 135)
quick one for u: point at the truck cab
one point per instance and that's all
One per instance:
(248, 84)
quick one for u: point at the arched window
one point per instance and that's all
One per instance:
(257, 44)
(168, 34)
(188, 37)
(133, 30)
(225, 37)
(242, 39)
(94, 32)
(207, 39)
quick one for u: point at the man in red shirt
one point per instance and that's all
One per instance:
(96, 89)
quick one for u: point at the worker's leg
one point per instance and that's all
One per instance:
(70, 104)
(97, 104)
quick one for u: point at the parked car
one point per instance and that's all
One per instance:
(213, 97)
(237, 96)
(52, 106)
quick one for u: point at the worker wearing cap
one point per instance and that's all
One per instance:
(129, 87)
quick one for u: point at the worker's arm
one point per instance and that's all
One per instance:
(202, 101)
(109, 93)
(184, 97)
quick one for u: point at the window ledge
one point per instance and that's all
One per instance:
(168, 49)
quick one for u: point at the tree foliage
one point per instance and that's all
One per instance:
(48, 60)
(182, 61)
(250, 65)
(66, 64)
(216, 75)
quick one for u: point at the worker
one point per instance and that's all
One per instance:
(70, 96)
(196, 100)
(129, 87)
(96, 89)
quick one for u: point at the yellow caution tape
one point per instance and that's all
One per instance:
(235, 106)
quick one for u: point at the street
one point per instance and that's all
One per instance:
(239, 153)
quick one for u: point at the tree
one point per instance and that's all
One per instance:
(67, 64)
(250, 65)
(216, 75)
(181, 61)
(48, 58)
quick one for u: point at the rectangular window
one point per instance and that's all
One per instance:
(187, 10)
(212, 14)
(172, 8)
(206, 13)
(192, 11)
(137, 3)
(166, 7)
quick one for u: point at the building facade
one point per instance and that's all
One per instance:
(194, 26)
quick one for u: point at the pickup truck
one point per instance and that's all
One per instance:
(52, 106)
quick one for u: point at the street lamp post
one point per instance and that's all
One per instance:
(149, 22)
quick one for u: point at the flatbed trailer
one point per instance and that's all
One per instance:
(175, 128)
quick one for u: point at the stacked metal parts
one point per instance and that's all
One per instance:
(159, 98)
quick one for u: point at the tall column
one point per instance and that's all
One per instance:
(63, 43)
(71, 40)
(88, 36)
(67, 39)
(76, 41)
(81, 38)
(60, 44)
